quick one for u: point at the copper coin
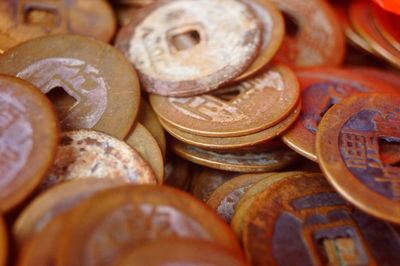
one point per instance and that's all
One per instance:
(392, 78)
(221, 143)
(177, 172)
(22, 20)
(126, 217)
(177, 251)
(188, 47)
(320, 89)
(262, 101)
(316, 34)
(302, 219)
(144, 143)
(90, 82)
(351, 158)
(388, 25)
(257, 160)
(87, 153)
(54, 201)
(28, 139)
(3, 242)
(225, 197)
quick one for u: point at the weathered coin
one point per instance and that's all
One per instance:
(177, 172)
(137, 214)
(144, 143)
(177, 251)
(316, 33)
(348, 140)
(390, 77)
(22, 20)
(87, 153)
(35, 217)
(388, 24)
(320, 89)
(3, 242)
(257, 160)
(188, 47)
(262, 101)
(29, 136)
(90, 83)
(302, 219)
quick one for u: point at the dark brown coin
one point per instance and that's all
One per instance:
(22, 20)
(301, 220)
(29, 136)
(349, 141)
(188, 47)
(90, 83)
(3, 242)
(320, 89)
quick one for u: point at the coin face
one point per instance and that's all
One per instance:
(28, 139)
(320, 89)
(87, 80)
(87, 153)
(3, 242)
(22, 20)
(352, 160)
(188, 47)
(320, 226)
(262, 101)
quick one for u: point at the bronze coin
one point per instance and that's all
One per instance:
(90, 83)
(144, 143)
(348, 147)
(315, 35)
(29, 136)
(22, 20)
(301, 220)
(263, 101)
(59, 199)
(177, 172)
(257, 160)
(390, 77)
(3, 242)
(87, 153)
(388, 25)
(177, 251)
(320, 89)
(139, 214)
(188, 47)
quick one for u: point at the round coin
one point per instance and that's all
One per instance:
(29, 136)
(3, 242)
(349, 141)
(22, 20)
(87, 153)
(188, 47)
(90, 83)
(262, 101)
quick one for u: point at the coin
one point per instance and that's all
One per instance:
(22, 20)
(144, 143)
(257, 160)
(3, 242)
(138, 214)
(56, 200)
(301, 218)
(87, 153)
(188, 47)
(351, 158)
(263, 101)
(90, 83)
(387, 23)
(315, 34)
(180, 252)
(320, 89)
(28, 139)
(392, 78)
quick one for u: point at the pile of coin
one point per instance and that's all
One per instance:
(199, 132)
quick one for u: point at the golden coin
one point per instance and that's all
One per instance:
(349, 141)
(87, 153)
(90, 83)
(144, 143)
(263, 101)
(3, 242)
(29, 135)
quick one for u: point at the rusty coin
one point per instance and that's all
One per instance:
(188, 47)
(349, 141)
(90, 83)
(22, 20)
(29, 136)
(3, 242)
(262, 101)
(87, 153)
(320, 89)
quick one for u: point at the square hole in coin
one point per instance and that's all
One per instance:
(389, 152)
(42, 17)
(62, 101)
(186, 40)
